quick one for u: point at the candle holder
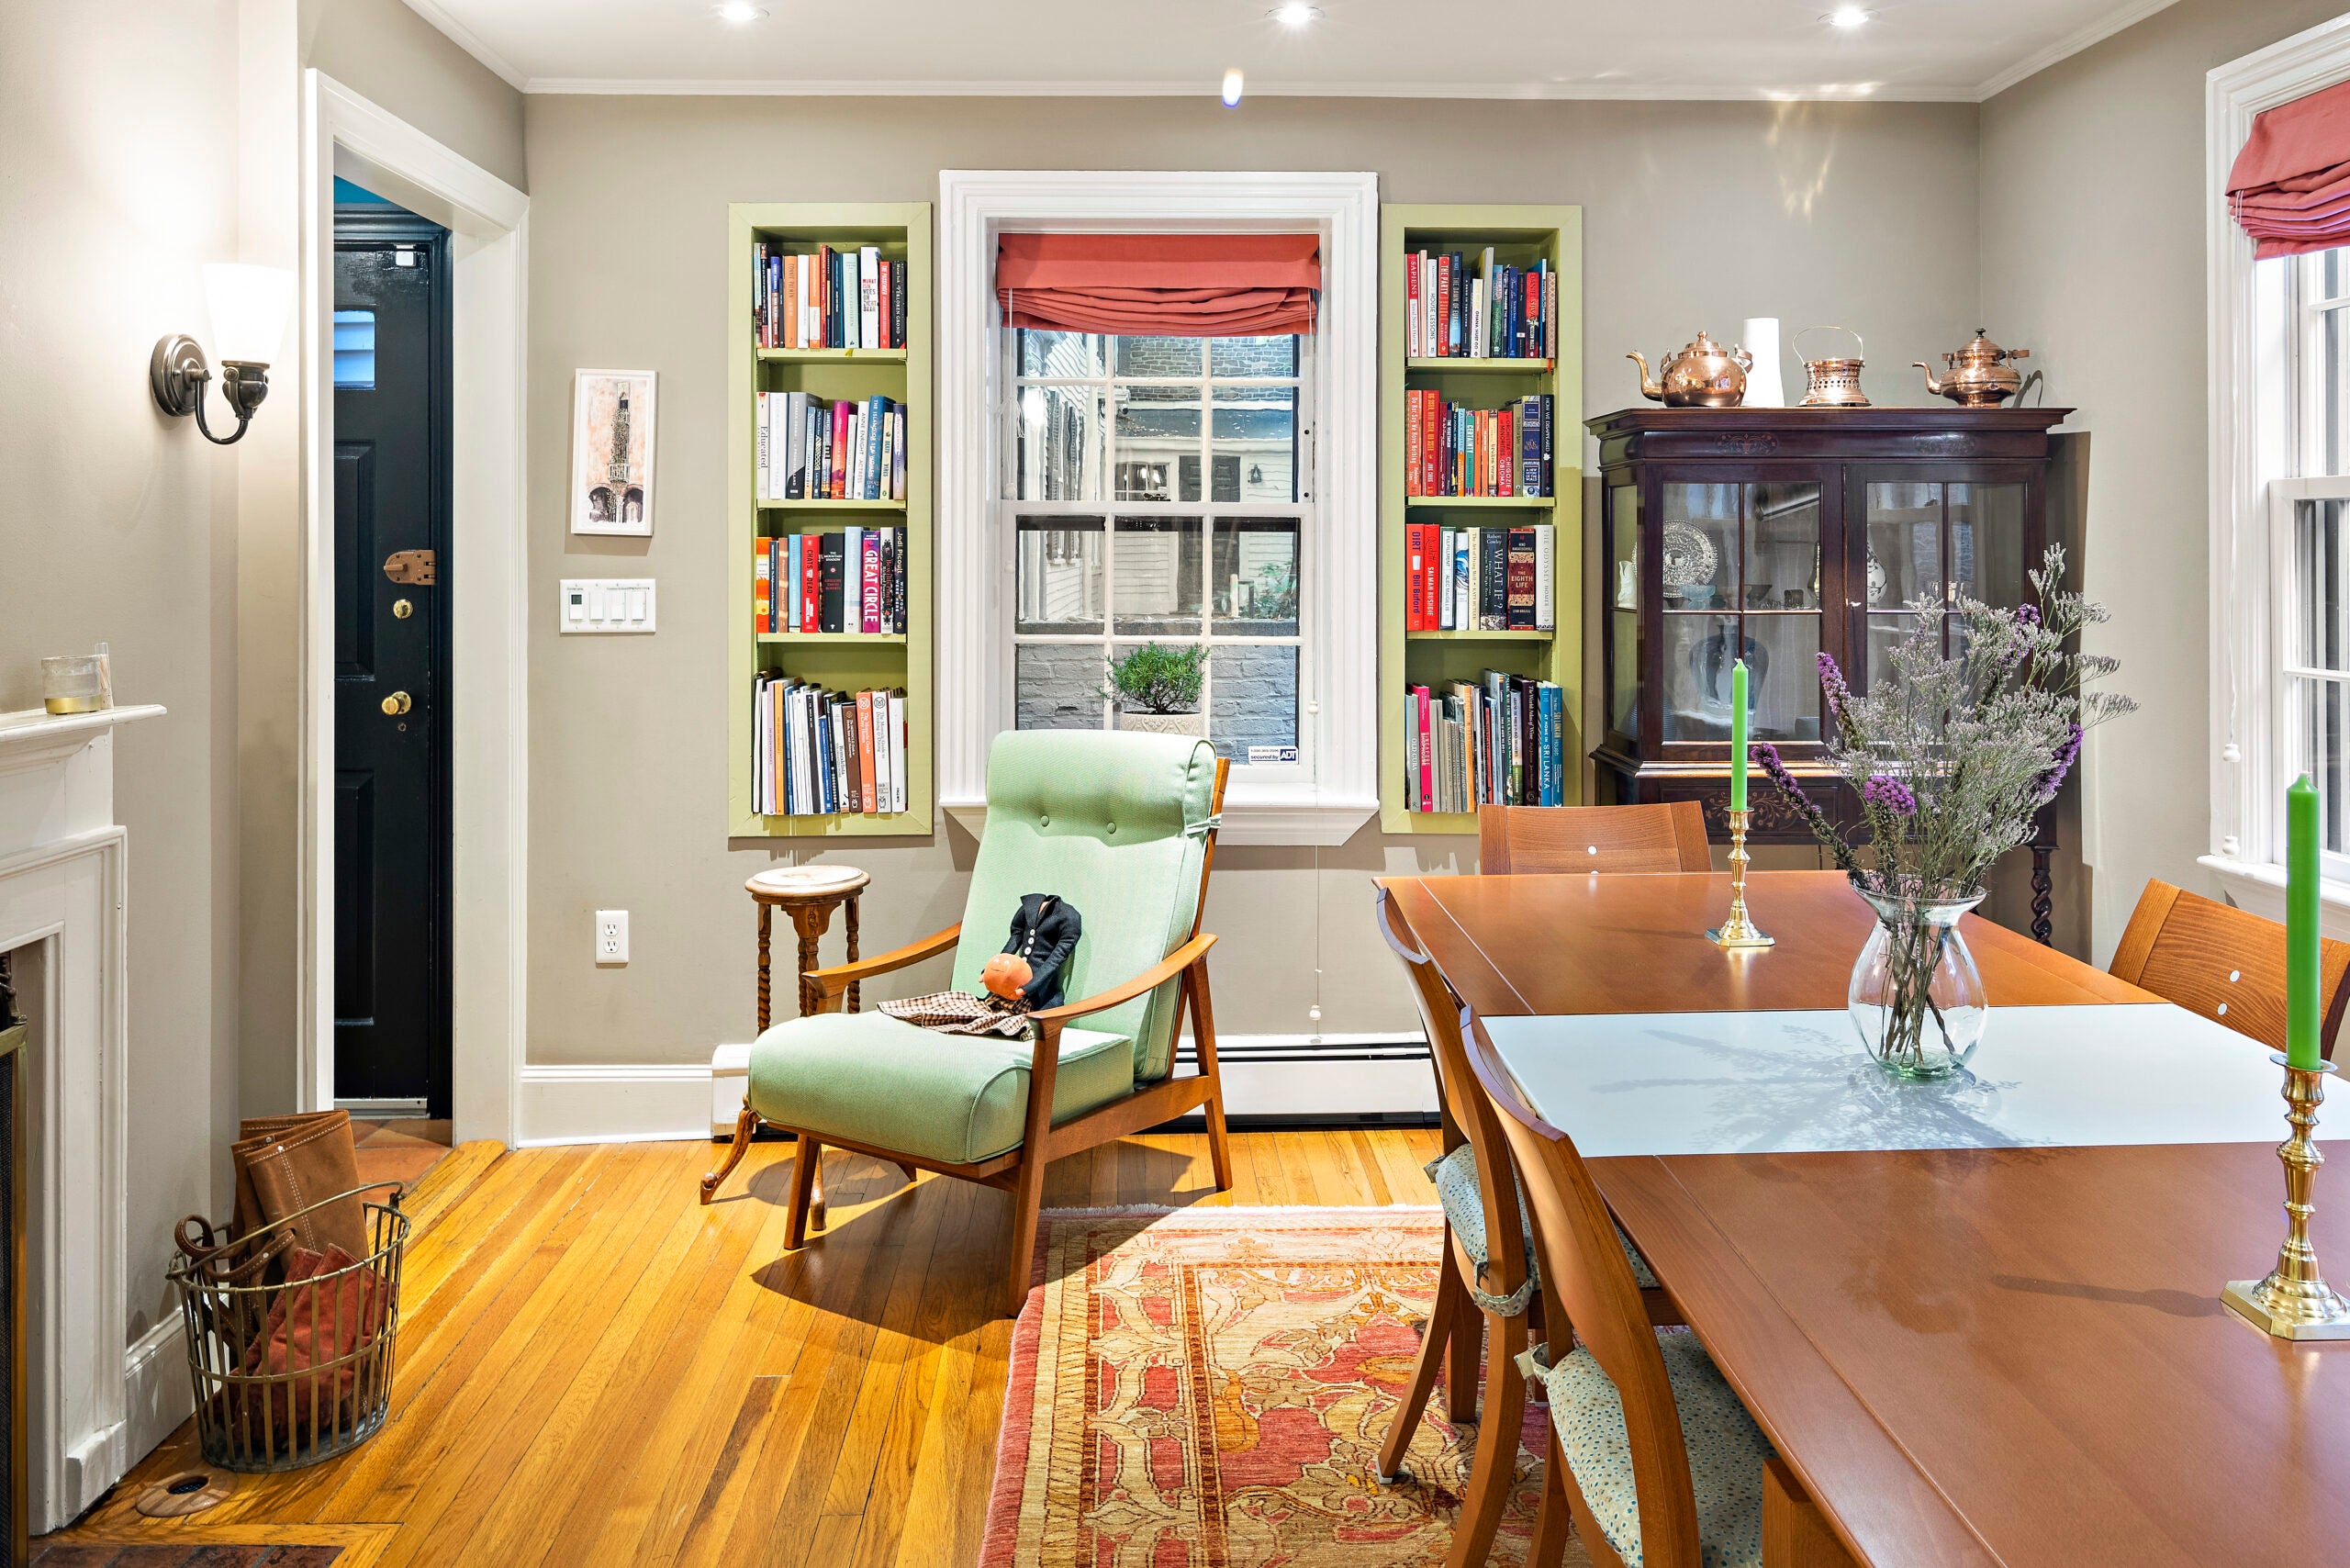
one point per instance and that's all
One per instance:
(2294, 1301)
(1738, 931)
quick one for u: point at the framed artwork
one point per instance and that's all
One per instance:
(612, 452)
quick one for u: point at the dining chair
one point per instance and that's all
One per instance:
(1122, 827)
(1488, 1287)
(2225, 963)
(1652, 1452)
(1522, 840)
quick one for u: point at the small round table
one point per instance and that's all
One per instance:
(809, 894)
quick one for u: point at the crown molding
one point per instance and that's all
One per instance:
(464, 37)
(2127, 16)
(620, 87)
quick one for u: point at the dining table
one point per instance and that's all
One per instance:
(1979, 1319)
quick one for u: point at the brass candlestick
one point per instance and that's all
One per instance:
(1738, 931)
(2294, 1301)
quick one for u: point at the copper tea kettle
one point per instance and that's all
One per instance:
(1703, 375)
(1979, 375)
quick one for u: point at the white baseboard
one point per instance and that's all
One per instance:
(610, 1102)
(158, 1393)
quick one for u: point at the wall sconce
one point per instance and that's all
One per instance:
(249, 309)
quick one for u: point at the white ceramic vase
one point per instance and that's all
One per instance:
(1763, 387)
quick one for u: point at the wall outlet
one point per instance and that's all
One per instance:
(611, 936)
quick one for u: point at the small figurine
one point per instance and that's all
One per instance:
(1029, 968)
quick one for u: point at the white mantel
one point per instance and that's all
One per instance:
(64, 892)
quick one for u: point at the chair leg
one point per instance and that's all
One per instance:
(1464, 1353)
(1195, 987)
(1027, 1197)
(1554, 1521)
(744, 1125)
(1494, 1469)
(803, 1182)
(1451, 1300)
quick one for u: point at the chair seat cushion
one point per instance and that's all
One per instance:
(1725, 1451)
(870, 1079)
(1464, 1210)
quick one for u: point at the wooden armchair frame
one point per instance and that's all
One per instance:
(1020, 1170)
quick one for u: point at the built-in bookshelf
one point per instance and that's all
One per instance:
(893, 378)
(1532, 241)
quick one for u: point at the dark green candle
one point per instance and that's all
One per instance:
(2300, 923)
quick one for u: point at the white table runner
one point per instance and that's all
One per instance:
(1797, 1083)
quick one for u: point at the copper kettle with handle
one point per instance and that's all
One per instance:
(1978, 376)
(1703, 375)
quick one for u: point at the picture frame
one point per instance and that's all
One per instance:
(612, 452)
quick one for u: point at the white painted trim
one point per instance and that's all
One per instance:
(2125, 16)
(1328, 823)
(2252, 443)
(615, 1103)
(464, 37)
(975, 700)
(1562, 91)
(158, 1392)
(2259, 887)
(489, 731)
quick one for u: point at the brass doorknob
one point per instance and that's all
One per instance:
(397, 703)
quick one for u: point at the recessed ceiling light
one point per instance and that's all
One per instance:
(740, 11)
(1849, 16)
(1295, 14)
(1232, 88)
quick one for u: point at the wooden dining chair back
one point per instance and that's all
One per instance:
(2225, 963)
(1517, 841)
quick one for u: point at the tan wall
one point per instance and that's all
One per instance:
(2092, 238)
(1696, 215)
(383, 51)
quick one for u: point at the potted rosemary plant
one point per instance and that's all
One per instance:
(1157, 690)
(1951, 756)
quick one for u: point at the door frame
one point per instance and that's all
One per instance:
(487, 602)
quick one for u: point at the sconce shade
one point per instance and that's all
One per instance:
(250, 305)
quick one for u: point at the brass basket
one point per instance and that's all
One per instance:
(1834, 383)
(330, 1391)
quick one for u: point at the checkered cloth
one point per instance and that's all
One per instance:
(960, 1012)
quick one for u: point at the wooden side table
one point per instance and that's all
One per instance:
(809, 894)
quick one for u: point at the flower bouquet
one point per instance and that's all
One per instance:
(1952, 754)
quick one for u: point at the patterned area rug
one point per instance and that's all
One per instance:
(1208, 1389)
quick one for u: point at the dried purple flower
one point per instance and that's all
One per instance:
(2068, 751)
(2028, 614)
(1831, 683)
(1774, 768)
(1884, 789)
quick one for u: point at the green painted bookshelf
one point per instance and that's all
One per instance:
(843, 661)
(1519, 236)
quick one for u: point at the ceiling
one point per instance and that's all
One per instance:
(1959, 50)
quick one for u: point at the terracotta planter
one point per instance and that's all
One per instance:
(1163, 724)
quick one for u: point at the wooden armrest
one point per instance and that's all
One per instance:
(831, 982)
(1151, 979)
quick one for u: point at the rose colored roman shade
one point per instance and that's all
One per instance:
(2290, 185)
(1162, 285)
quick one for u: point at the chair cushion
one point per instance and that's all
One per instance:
(1725, 1451)
(1464, 1210)
(875, 1079)
(1116, 824)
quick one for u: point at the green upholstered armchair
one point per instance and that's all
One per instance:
(1123, 827)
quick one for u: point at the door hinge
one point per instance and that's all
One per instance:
(419, 568)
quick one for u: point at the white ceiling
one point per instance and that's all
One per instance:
(1943, 50)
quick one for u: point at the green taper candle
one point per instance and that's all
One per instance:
(1738, 736)
(2300, 923)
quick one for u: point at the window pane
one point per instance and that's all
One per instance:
(1887, 630)
(1158, 576)
(1156, 356)
(2317, 636)
(1059, 685)
(2314, 746)
(1697, 656)
(1076, 355)
(1059, 577)
(1624, 519)
(1987, 542)
(1783, 546)
(1252, 705)
(1783, 676)
(1624, 682)
(1255, 433)
(1159, 443)
(1700, 545)
(1256, 577)
(1905, 561)
(2332, 392)
(1057, 445)
(1253, 356)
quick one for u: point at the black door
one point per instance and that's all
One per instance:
(391, 568)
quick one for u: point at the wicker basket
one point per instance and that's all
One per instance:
(296, 1370)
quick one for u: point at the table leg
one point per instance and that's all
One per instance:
(767, 921)
(852, 950)
(2042, 928)
(811, 921)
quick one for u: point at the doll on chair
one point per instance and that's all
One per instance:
(1025, 977)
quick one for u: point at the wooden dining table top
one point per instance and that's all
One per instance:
(1968, 1356)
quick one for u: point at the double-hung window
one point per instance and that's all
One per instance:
(2310, 544)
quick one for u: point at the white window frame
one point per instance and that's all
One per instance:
(2258, 412)
(1337, 728)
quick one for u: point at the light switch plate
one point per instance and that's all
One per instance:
(606, 604)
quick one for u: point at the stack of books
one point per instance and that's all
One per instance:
(818, 753)
(1451, 450)
(1457, 309)
(1479, 580)
(1498, 741)
(853, 580)
(810, 450)
(831, 299)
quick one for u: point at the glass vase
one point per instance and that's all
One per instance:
(1917, 997)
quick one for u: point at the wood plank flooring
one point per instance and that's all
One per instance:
(594, 1370)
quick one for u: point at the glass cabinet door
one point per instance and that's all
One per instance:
(1933, 542)
(1741, 572)
(1623, 591)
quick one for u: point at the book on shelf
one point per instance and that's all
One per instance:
(816, 752)
(828, 298)
(809, 449)
(1498, 740)
(1480, 580)
(1460, 307)
(1451, 449)
(849, 579)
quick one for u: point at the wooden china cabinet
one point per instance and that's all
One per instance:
(1776, 533)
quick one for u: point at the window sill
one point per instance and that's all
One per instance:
(2259, 887)
(1323, 822)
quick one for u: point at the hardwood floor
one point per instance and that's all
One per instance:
(594, 1370)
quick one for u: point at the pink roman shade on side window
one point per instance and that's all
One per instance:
(2290, 185)
(1161, 286)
